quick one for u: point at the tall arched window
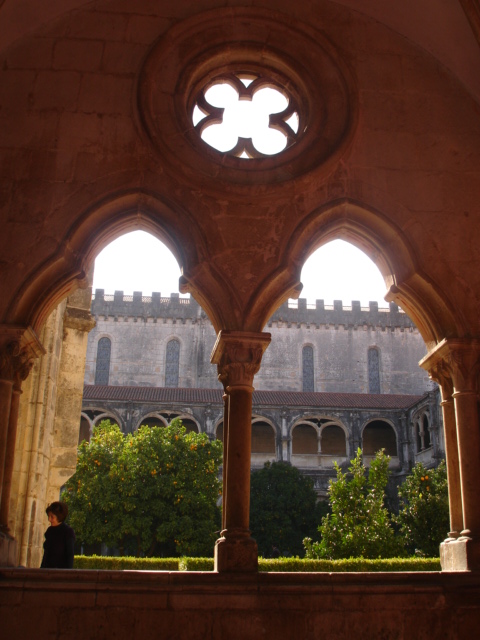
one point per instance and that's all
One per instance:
(307, 368)
(172, 363)
(102, 370)
(373, 370)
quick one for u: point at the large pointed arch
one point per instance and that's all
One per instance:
(385, 244)
(71, 266)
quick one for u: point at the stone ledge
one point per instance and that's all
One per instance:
(192, 605)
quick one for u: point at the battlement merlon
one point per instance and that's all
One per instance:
(293, 314)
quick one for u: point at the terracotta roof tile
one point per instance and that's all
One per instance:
(260, 398)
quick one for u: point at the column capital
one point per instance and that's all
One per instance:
(454, 363)
(19, 346)
(238, 355)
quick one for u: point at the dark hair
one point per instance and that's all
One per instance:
(58, 509)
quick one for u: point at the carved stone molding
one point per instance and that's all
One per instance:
(238, 356)
(79, 319)
(223, 43)
(455, 365)
(19, 346)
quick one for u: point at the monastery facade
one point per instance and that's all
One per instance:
(333, 379)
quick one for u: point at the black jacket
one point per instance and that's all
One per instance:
(58, 547)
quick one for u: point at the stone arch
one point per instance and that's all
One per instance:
(99, 413)
(426, 430)
(263, 435)
(305, 438)
(86, 426)
(151, 420)
(97, 226)
(157, 418)
(333, 439)
(219, 430)
(421, 430)
(406, 283)
(377, 434)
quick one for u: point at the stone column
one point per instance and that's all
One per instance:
(77, 323)
(454, 363)
(237, 355)
(285, 440)
(18, 348)
(403, 449)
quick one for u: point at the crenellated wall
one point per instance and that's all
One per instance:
(140, 328)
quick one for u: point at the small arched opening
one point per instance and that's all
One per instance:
(377, 435)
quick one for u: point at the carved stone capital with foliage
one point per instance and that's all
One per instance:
(19, 346)
(238, 356)
(455, 365)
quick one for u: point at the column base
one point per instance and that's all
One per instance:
(8, 550)
(236, 554)
(460, 554)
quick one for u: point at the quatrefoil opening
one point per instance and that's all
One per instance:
(246, 115)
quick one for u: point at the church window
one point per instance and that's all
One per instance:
(373, 370)
(102, 370)
(172, 363)
(246, 115)
(307, 369)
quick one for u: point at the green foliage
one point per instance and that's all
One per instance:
(125, 563)
(304, 565)
(359, 524)
(151, 492)
(195, 564)
(274, 565)
(424, 513)
(283, 508)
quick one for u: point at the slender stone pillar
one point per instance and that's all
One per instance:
(10, 454)
(18, 348)
(455, 365)
(238, 356)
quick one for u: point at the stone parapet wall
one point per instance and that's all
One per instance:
(291, 314)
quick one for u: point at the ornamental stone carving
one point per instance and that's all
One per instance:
(238, 356)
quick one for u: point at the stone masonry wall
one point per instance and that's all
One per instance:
(140, 327)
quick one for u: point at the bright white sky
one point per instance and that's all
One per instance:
(139, 262)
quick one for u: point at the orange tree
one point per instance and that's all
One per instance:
(424, 515)
(359, 524)
(153, 492)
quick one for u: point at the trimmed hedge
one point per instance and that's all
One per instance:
(350, 564)
(121, 563)
(278, 564)
(196, 564)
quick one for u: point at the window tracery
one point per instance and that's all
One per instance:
(246, 115)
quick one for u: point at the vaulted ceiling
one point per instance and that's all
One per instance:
(448, 29)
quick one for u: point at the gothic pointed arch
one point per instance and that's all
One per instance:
(102, 365)
(406, 283)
